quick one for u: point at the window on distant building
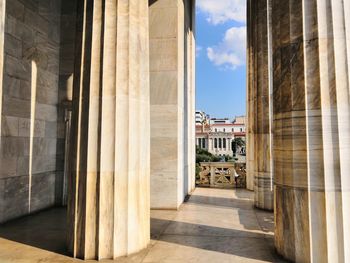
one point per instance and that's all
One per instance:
(233, 129)
(224, 129)
(220, 143)
(224, 143)
(241, 129)
(215, 143)
(216, 130)
(203, 143)
(200, 142)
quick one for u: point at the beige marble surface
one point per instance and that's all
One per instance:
(30, 145)
(172, 51)
(213, 226)
(259, 153)
(311, 142)
(109, 205)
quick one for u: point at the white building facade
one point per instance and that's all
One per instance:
(217, 135)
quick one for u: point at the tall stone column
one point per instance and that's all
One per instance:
(250, 99)
(109, 211)
(260, 104)
(172, 54)
(311, 54)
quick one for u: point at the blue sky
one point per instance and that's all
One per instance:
(221, 58)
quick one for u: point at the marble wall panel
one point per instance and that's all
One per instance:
(31, 33)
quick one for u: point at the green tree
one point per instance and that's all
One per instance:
(203, 155)
(237, 142)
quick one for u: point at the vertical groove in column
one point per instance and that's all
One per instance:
(315, 143)
(330, 134)
(341, 54)
(134, 132)
(106, 203)
(122, 131)
(289, 130)
(250, 97)
(93, 148)
(2, 55)
(111, 163)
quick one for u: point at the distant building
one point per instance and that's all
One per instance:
(200, 117)
(217, 135)
(240, 119)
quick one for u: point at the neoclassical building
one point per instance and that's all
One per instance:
(90, 88)
(217, 135)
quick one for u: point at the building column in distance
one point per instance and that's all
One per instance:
(260, 105)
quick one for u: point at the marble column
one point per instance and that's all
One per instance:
(260, 106)
(109, 210)
(250, 99)
(311, 54)
(172, 59)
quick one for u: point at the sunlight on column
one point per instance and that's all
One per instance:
(69, 87)
(270, 62)
(32, 128)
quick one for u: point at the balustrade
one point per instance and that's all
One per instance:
(222, 175)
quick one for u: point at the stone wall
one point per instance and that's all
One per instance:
(30, 138)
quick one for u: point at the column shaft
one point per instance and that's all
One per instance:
(172, 74)
(259, 106)
(311, 129)
(250, 98)
(108, 211)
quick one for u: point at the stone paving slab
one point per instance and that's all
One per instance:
(214, 225)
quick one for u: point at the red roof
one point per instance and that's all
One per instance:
(225, 124)
(239, 133)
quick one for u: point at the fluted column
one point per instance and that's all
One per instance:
(250, 99)
(312, 129)
(108, 213)
(259, 105)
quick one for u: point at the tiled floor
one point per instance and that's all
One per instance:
(213, 226)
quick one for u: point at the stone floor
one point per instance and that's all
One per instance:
(214, 225)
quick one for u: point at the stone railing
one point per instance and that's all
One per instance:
(222, 175)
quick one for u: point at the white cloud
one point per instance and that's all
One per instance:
(198, 50)
(221, 11)
(231, 52)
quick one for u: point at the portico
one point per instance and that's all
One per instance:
(126, 71)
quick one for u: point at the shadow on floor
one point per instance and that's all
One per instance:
(257, 246)
(45, 230)
(244, 194)
(221, 202)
